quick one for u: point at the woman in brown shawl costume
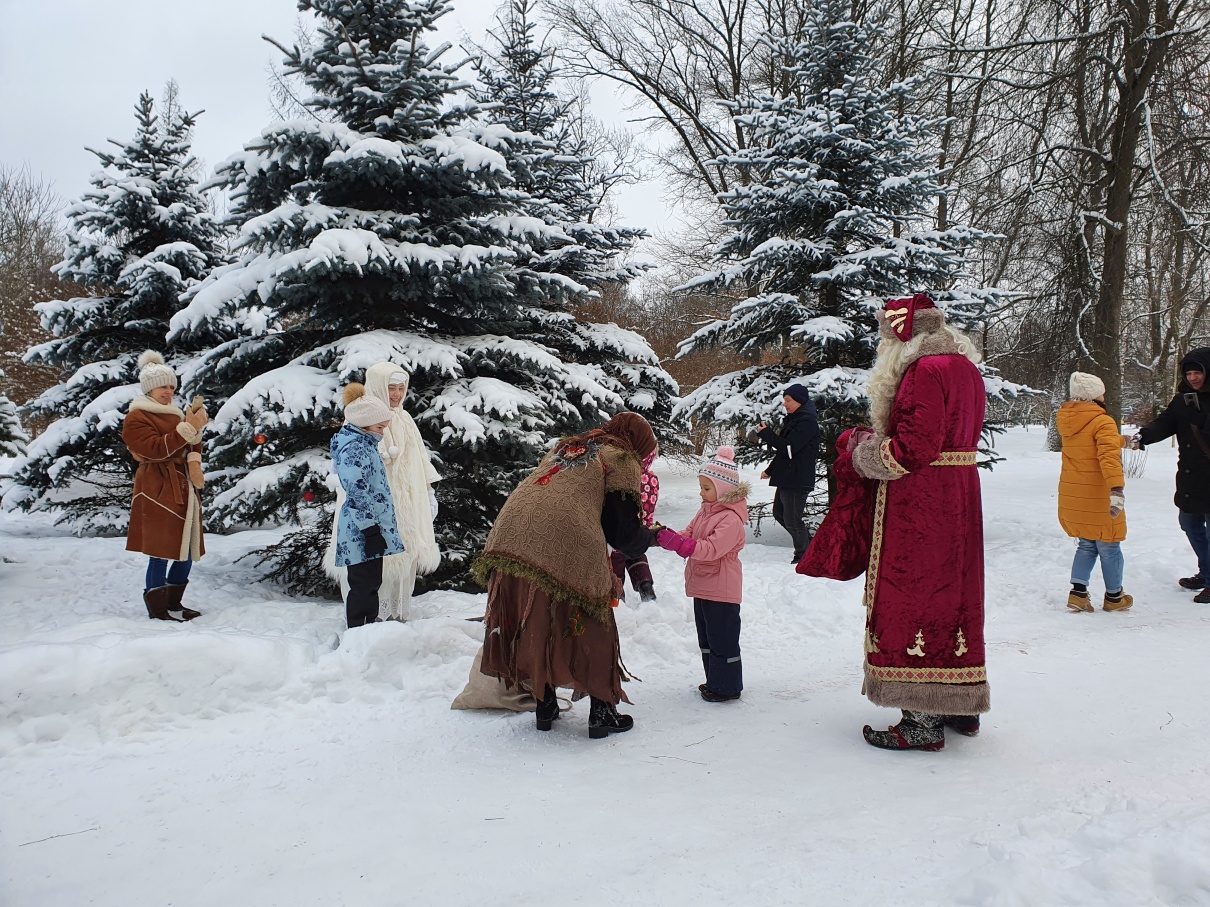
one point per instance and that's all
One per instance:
(550, 585)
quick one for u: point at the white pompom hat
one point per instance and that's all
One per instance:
(1084, 386)
(362, 409)
(154, 373)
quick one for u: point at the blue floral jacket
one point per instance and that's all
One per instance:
(358, 466)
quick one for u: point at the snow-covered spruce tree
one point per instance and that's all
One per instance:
(833, 218)
(518, 77)
(137, 240)
(12, 436)
(385, 228)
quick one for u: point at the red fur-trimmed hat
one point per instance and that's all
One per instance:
(900, 317)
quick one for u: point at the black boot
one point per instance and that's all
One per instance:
(1192, 582)
(548, 709)
(176, 593)
(915, 731)
(603, 719)
(157, 601)
(647, 591)
(966, 725)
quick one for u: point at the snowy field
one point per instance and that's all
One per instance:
(262, 755)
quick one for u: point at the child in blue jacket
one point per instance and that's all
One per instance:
(365, 526)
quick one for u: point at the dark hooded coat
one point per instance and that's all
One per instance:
(1188, 417)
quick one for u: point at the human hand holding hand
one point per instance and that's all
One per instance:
(1136, 443)
(671, 540)
(1117, 501)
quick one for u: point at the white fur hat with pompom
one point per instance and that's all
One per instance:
(154, 373)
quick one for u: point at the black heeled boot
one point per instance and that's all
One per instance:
(548, 709)
(603, 720)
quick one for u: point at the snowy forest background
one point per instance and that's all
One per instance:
(1041, 166)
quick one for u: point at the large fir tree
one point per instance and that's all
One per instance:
(518, 77)
(138, 239)
(388, 227)
(834, 216)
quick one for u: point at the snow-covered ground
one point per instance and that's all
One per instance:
(263, 755)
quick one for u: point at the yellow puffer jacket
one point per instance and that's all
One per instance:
(1092, 464)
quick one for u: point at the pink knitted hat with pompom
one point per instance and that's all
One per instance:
(722, 471)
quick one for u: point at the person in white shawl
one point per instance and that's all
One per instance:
(410, 475)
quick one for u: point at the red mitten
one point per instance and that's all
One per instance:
(671, 540)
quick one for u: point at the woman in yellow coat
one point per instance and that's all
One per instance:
(1092, 499)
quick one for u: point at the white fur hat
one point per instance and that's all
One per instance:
(362, 409)
(1084, 386)
(154, 373)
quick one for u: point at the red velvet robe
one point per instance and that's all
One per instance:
(924, 584)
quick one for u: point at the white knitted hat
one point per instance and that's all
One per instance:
(154, 373)
(1084, 386)
(722, 471)
(362, 409)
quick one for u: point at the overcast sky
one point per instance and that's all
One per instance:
(71, 71)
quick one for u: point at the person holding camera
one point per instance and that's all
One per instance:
(1188, 417)
(166, 506)
(366, 531)
(792, 470)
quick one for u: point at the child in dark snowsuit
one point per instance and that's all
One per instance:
(638, 568)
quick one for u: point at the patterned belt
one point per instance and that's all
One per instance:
(956, 458)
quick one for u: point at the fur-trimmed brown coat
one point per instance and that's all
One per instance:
(165, 510)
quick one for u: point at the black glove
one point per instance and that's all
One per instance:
(376, 545)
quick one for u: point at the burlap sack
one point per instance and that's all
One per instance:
(483, 692)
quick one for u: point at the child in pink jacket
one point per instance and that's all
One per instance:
(714, 577)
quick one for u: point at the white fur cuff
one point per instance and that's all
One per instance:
(867, 460)
(188, 432)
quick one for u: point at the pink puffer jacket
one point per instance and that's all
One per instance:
(713, 571)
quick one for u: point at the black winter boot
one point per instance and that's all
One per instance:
(548, 709)
(915, 731)
(603, 719)
(647, 591)
(157, 601)
(1192, 582)
(177, 592)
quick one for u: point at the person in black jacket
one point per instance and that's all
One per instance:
(792, 470)
(1188, 417)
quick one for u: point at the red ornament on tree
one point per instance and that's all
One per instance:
(259, 439)
(308, 496)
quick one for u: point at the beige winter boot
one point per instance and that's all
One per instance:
(1119, 602)
(1078, 601)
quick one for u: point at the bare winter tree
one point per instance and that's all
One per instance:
(30, 242)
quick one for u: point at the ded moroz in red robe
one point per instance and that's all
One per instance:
(924, 584)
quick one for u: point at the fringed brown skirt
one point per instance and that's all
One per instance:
(532, 638)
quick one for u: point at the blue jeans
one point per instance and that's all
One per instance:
(1195, 528)
(1113, 565)
(159, 573)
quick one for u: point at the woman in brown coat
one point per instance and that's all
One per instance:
(549, 581)
(166, 509)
